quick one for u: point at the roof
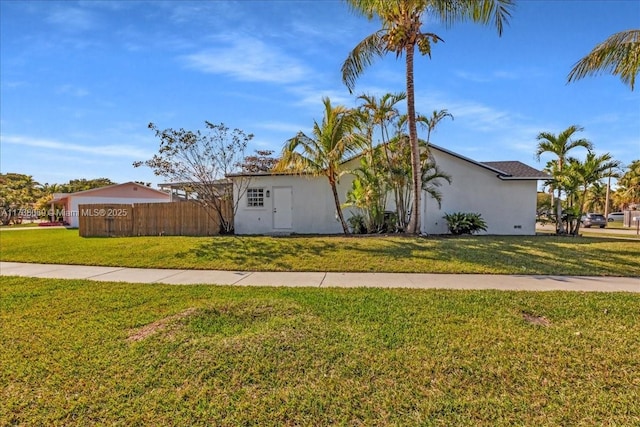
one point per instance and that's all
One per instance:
(220, 183)
(505, 170)
(61, 196)
(517, 170)
(262, 173)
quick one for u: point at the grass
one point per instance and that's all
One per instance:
(79, 353)
(483, 254)
(25, 224)
(627, 236)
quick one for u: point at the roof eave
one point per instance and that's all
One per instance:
(522, 178)
(261, 174)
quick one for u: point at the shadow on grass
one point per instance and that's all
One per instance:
(259, 253)
(439, 254)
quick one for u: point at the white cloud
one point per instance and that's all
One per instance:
(507, 75)
(483, 131)
(279, 126)
(248, 59)
(486, 77)
(13, 84)
(473, 77)
(98, 150)
(72, 90)
(480, 117)
(311, 97)
(72, 19)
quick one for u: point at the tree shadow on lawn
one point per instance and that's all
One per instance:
(259, 252)
(540, 255)
(517, 254)
(477, 254)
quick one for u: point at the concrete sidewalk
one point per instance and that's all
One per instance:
(325, 280)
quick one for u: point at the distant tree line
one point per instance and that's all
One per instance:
(21, 193)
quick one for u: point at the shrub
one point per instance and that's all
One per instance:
(465, 223)
(357, 224)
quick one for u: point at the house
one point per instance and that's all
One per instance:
(504, 193)
(127, 193)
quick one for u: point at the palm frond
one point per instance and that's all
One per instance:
(361, 57)
(580, 143)
(484, 12)
(298, 156)
(619, 55)
(367, 8)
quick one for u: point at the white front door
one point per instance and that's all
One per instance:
(282, 207)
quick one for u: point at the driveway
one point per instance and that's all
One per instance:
(630, 232)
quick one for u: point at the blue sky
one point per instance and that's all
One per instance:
(80, 81)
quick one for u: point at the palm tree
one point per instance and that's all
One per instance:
(322, 154)
(398, 173)
(618, 55)
(401, 33)
(431, 122)
(368, 192)
(431, 176)
(569, 181)
(596, 198)
(382, 113)
(629, 185)
(560, 145)
(592, 170)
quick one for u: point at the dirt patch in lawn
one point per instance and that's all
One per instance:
(536, 320)
(160, 325)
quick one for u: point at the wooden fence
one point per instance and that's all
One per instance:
(150, 219)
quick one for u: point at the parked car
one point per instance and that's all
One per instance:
(615, 216)
(593, 219)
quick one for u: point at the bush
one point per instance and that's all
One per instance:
(390, 224)
(357, 224)
(465, 223)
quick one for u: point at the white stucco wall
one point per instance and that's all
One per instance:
(508, 207)
(313, 207)
(72, 217)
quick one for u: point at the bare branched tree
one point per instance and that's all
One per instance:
(199, 164)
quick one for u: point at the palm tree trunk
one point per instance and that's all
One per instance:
(606, 199)
(581, 204)
(396, 195)
(336, 199)
(559, 224)
(414, 223)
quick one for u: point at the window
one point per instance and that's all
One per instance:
(255, 197)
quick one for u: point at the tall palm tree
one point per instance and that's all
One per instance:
(560, 145)
(618, 55)
(401, 33)
(322, 154)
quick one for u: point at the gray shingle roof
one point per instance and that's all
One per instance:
(515, 169)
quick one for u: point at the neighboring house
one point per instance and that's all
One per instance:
(127, 193)
(504, 193)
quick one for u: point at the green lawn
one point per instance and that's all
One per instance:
(79, 353)
(479, 254)
(25, 224)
